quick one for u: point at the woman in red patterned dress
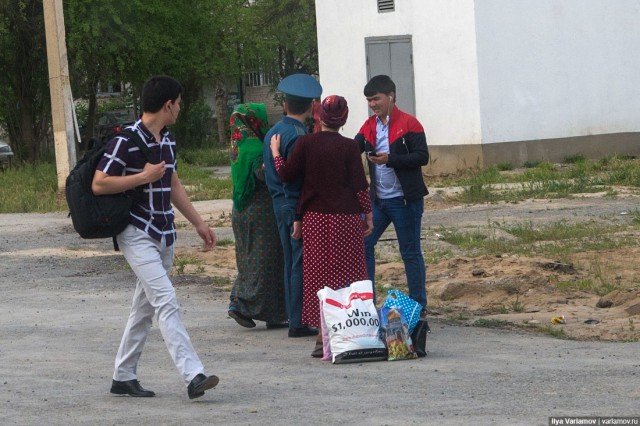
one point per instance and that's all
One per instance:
(334, 204)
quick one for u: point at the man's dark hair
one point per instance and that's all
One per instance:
(296, 105)
(158, 90)
(380, 84)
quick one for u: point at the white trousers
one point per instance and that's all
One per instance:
(151, 261)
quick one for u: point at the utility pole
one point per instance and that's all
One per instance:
(60, 89)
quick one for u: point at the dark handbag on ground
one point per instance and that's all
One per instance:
(419, 337)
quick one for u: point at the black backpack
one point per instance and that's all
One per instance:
(99, 216)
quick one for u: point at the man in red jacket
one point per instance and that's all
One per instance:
(396, 149)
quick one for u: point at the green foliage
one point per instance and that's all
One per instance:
(291, 33)
(117, 103)
(202, 43)
(195, 128)
(574, 159)
(504, 166)
(24, 80)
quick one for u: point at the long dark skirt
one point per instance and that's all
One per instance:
(258, 291)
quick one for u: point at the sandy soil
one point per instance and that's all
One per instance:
(503, 291)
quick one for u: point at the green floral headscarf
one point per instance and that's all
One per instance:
(248, 127)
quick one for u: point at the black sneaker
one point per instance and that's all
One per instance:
(201, 383)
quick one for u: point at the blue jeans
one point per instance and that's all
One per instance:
(292, 250)
(407, 220)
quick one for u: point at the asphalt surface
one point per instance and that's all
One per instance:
(64, 303)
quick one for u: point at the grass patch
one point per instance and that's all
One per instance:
(575, 158)
(225, 242)
(222, 283)
(545, 180)
(204, 157)
(553, 331)
(517, 305)
(491, 323)
(202, 185)
(599, 287)
(181, 262)
(436, 255)
(30, 189)
(465, 240)
(459, 316)
(503, 167)
(502, 310)
(33, 188)
(531, 164)
(556, 240)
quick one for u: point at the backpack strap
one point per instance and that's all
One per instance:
(134, 137)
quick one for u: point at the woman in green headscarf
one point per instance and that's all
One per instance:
(258, 291)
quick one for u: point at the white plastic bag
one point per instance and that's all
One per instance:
(352, 321)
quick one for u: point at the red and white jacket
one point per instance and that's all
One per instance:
(408, 151)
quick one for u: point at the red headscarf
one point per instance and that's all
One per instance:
(334, 111)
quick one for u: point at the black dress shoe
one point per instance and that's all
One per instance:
(131, 388)
(241, 319)
(274, 325)
(201, 383)
(303, 331)
(318, 350)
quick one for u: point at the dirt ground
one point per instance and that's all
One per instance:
(65, 302)
(506, 291)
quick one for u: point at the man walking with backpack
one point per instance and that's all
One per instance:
(148, 241)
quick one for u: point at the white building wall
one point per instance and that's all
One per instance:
(557, 68)
(445, 66)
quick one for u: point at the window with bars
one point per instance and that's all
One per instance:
(255, 79)
(386, 6)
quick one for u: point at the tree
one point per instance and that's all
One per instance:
(96, 38)
(25, 109)
(199, 42)
(193, 40)
(291, 33)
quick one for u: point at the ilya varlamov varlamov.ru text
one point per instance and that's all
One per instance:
(594, 421)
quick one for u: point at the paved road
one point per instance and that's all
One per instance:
(64, 304)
